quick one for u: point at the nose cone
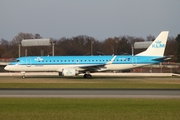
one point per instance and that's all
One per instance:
(7, 68)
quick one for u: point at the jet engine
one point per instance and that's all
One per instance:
(69, 72)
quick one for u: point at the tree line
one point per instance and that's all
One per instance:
(84, 45)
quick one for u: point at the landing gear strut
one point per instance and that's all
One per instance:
(87, 76)
(23, 76)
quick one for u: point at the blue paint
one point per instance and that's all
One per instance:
(71, 60)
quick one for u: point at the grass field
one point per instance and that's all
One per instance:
(96, 82)
(89, 109)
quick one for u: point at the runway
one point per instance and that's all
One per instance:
(91, 93)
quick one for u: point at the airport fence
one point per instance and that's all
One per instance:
(165, 67)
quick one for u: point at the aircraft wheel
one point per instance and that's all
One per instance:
(87, 76)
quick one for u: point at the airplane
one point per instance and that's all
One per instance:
(75, 65)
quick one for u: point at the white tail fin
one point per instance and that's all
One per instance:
(157, 47)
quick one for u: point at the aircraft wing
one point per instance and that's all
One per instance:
(97, 67)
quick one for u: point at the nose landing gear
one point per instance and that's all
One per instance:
(23, 75)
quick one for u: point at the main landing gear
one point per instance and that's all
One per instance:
(87, 76)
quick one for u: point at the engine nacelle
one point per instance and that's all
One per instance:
(69, 72)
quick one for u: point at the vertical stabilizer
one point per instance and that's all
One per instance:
(157, 47)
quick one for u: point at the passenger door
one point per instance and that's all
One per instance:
(28, 61)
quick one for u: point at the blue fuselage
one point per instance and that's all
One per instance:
(57, 63)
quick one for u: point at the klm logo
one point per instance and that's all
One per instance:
(38, 59)
(69, 72)
(158, 44)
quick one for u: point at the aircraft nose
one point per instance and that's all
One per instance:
(7, 68)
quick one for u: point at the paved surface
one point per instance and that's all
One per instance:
(92, 93)
(93, 74)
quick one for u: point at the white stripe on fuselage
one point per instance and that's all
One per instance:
(59, 68)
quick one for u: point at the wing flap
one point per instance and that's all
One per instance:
(92, 67)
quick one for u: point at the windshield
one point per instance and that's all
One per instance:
(16, 61)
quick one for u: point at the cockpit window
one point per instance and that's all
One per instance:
(16, 61)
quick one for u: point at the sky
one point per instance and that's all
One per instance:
(100, 19)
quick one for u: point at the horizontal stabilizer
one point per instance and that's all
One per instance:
(163, 58)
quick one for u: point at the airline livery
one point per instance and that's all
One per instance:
(74, 65)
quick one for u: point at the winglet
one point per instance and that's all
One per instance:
(111, 61)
